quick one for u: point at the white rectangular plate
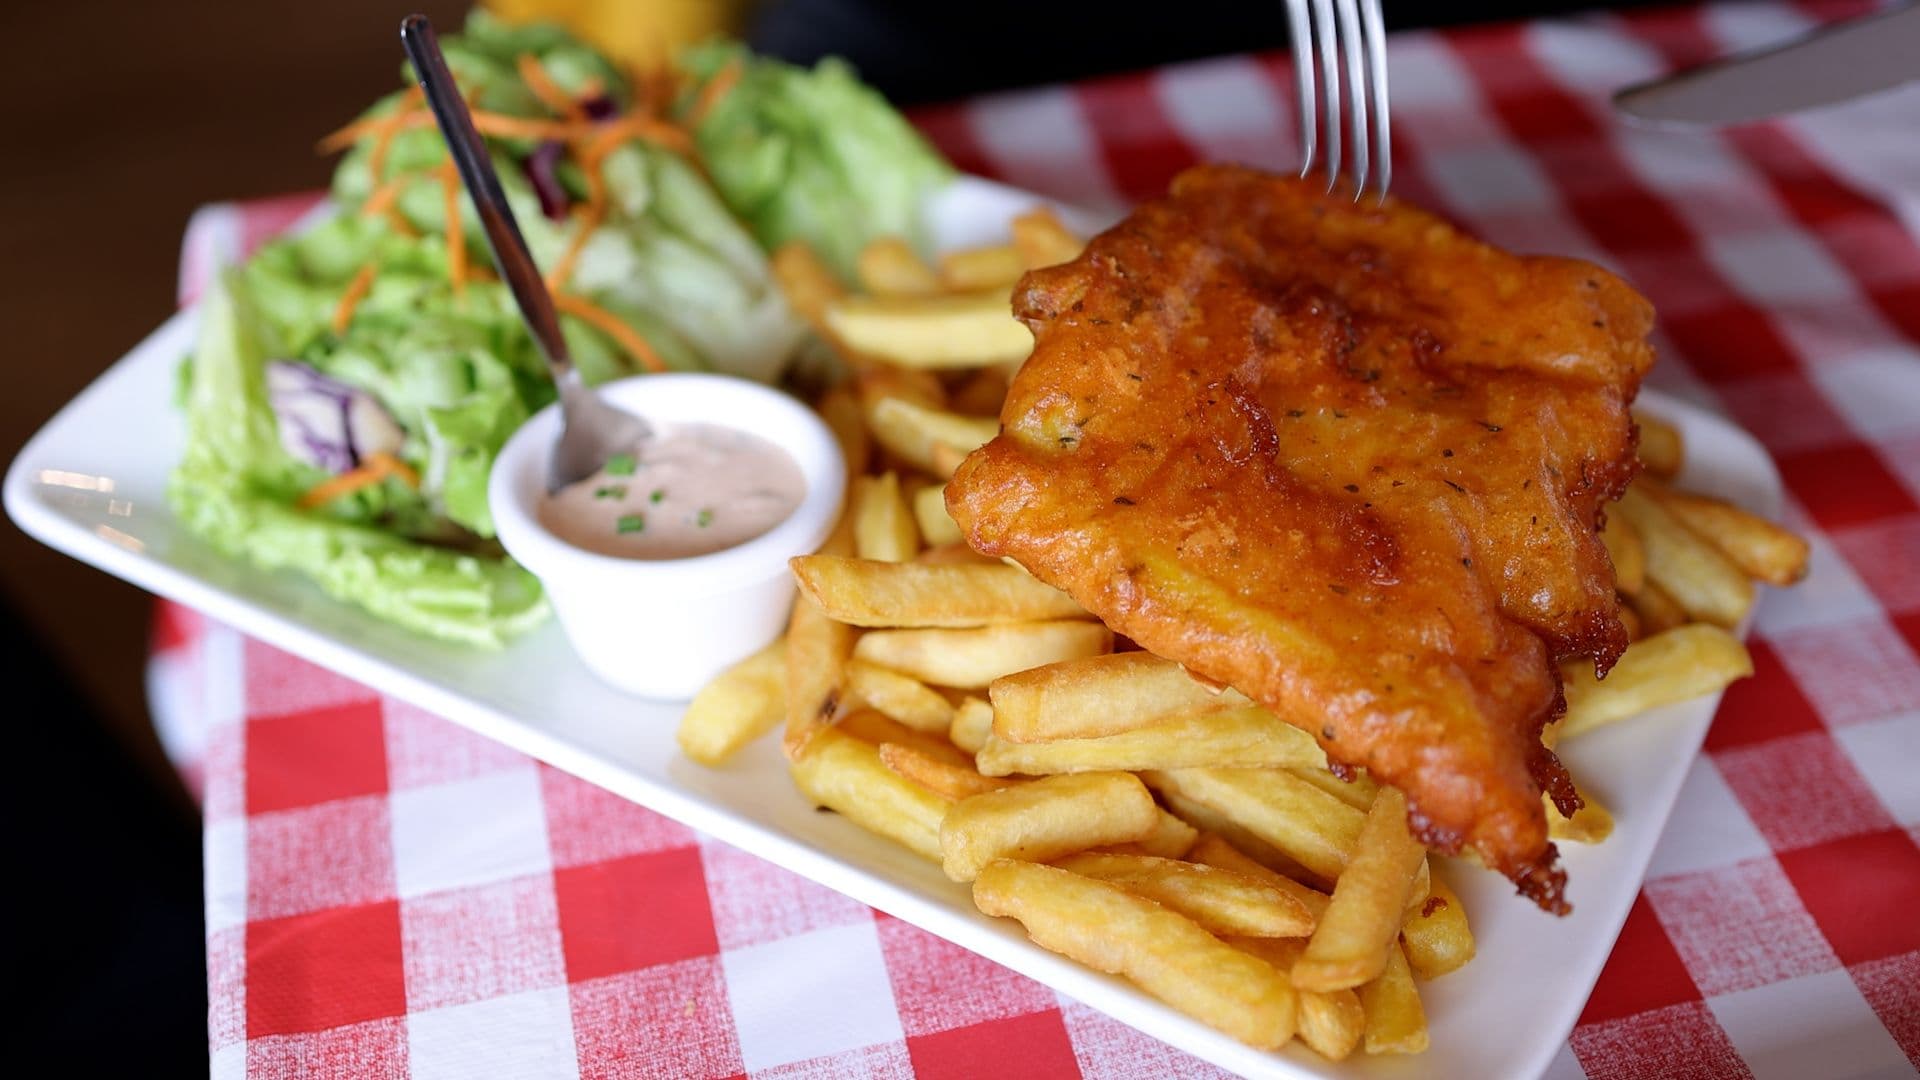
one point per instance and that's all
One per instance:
(92, 483)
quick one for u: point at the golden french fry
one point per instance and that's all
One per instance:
(968, 269)
(930, 511)
(1661, 447)
(806, 282)
(972, 723)
(1043, 241)
(970, 659)
(937, 774)
(845, 774)
(1330, 1024)
(1222, 901)
(954, 555)
(1436, 936)
(1630, 619)
(741, 704)
(865, 592)
(1248, 737)
(1396, 1021)
(881, 381)
(1099, 696)
(1690, 569)
(1352, 939)
(1657, 610)
(1169, 839)
(840, 408)
(1757, 546)
(1629, 555)
(1674, 665)
(1044, 820)
(1214, 850)
(888, 266)
(1162, 952)
(901, 697)
(1358, 792)
(817, 652)
(922, 435)
(1309, 826)
(1590, 824)
(951, 330)
(883, 527)
(873, 727)
(1231, 834)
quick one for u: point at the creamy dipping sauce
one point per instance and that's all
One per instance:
(691, 489)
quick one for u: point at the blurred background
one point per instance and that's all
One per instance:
(128, 115)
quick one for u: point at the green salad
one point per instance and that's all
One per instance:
(351, 384)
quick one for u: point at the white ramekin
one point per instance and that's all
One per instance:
(662, 628)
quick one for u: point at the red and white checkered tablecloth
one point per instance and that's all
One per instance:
(388, 894)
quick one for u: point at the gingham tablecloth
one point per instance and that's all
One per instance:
(389, 895)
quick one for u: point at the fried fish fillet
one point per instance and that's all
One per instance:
(1345, 459)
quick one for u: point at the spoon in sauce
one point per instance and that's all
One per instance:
(592, 432)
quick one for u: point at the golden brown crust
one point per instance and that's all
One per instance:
(1342, 457)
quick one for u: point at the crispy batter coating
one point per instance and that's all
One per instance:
(1343, 458)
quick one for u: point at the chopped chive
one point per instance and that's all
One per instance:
(703, 519)
(611, 491)
(658, 494)
(621, 465)
(631, 523)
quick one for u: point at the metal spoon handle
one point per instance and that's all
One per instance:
(510, 254)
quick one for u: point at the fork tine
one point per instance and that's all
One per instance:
(1354, 46)
(1325, 31)
(1302, 34)
(1377, 88)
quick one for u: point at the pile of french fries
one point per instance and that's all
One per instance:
(1131, 816)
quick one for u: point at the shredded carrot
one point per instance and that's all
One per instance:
(589, 219)
(383, 197)
(631, 126)
(399, 223)
(375, 468)
(717, 87)
(499, 125)
(456, 230)
(356, 291)
(534, 74)
(354, 132)
(611, 325)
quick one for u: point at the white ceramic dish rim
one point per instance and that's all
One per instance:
(1477, 1004)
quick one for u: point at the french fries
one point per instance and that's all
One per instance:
(1757, 546)
(1690, 569)
(1225, 902)
(883, 526)
(1200, 846)
(846, 775)
(865, 592)
(902, 697)
(1042, 240)
(1163, 952)
(889, 266)
(1099, 696)
(1673, 665)
(971, 659)
(1436, 935)
(930, 512)
(741, 704)
(1396, 1021)
(1044, 820)
(1661, 446)
(925, 436)
(1351, 942)
(947, 330)
(981, 268)
(1246, 737)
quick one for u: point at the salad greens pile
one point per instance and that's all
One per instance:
(352, 384)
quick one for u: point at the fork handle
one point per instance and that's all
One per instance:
(469, 151)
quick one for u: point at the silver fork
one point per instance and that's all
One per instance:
(1326, 34)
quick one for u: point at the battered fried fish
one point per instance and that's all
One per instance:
(1345, 459)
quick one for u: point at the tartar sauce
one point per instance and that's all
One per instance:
(690, 489)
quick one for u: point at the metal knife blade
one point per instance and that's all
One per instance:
(1830, 65)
